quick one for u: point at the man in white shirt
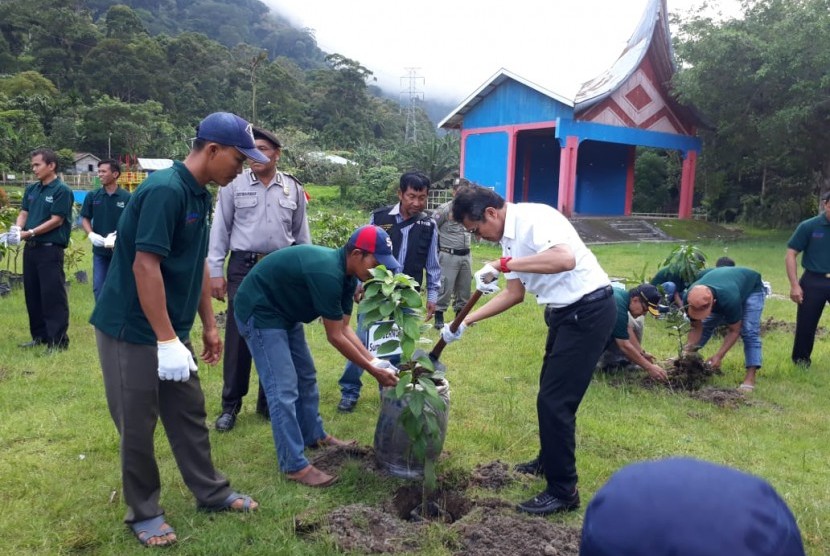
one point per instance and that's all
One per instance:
(543, 254)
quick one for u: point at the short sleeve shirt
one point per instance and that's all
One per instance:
(812, 239)
(731, 286)
(622, 299)
(531, 228)
(104, 210)
(44, 201)
(167, 216)
(296, 284)
(665, 274)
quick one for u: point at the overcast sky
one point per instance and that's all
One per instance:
(458, 44)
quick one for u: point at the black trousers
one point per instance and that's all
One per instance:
(46, 300)
(576, 339)
(816, 288)
(236, 367)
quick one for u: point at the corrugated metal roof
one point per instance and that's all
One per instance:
(603, 85)
(453, 121)
(151, 164)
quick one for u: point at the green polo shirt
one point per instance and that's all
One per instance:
(168, 216)
(41, 202)
(666, 274)
(621, 298)
(812, 239)
(296, 284)
(731, 286)
(104, 210)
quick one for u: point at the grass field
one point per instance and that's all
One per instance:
(59, 467)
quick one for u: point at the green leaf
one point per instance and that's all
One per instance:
(387, 308)
(412, 298)
(383, 329)
(408, 347)
(404, 380)
(372, 290)
(388, 347)
(369, 304)
(426, 362)
(416, 405)
(429, 387)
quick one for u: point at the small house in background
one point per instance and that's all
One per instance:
(85, 163)
(533, 145)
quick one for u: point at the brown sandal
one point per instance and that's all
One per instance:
(313, 477)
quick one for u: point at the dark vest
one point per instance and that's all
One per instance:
(421, 228)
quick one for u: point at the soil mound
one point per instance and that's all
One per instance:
(730, 398)
(368, 530)
(494, 475)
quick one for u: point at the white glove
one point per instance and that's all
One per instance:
(385, 365)
(4, 239)
(13, 237)
(486, 279)
(175, 361)
(449, 336)
(96, 239)
(109, 241)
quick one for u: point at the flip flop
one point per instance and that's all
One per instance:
(152, 528)
(746, 387)
(227, 504)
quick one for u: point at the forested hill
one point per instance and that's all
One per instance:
(228, 22)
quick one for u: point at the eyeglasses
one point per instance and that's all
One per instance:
(473, 231)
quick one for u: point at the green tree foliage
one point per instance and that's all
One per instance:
(762, 82)
(437, 157)
(657, 179)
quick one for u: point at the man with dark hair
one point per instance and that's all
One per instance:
(625, 343)
(724, 261)
(259, 212)
(45, 223)
(454, 257)
(543, 254)
(157, 282)
(733, 295)
(673, 282)
(415, 244)
(812, 292)
(99, 216)
(286, 289)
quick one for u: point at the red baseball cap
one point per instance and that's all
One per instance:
(373, 239)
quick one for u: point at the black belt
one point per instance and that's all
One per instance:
(248, 256)
(459, 252)
(819, 274)
(35, 245)
(595, 295)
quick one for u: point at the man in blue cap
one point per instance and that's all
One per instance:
(290, 287)
(687, 507)
(157, 282)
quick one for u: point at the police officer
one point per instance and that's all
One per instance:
(99, 215)
(259, 212)
(812, 292)
(44, 223)
(454, 257)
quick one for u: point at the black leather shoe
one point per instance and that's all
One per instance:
(346, 405)
(546, 504)
(225, 422)
(439, 320)
(532, 467)
(34, 343)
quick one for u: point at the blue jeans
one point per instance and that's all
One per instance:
(100, 267)
(670, 288)
(287, 374)
(750, 328)
(350, 383)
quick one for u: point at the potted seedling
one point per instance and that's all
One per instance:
(413, 420)
(72, 257)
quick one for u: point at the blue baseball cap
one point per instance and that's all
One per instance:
(373, 239)
(230, 130)
(688, 507)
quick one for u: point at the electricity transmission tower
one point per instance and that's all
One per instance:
(412, 94)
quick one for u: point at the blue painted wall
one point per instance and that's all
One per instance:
(542, 151)
(486, 160)
(600, 178)
(513, 103)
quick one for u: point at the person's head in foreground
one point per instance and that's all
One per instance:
(368, 247)
(645, 298)
(688, 507)
(223, 142)
(699, 302)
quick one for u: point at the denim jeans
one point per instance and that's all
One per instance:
(750, 328)
(100, 267)
(287, 374)
(350, 383)
(670, 288)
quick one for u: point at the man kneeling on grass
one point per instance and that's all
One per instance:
(294, 286)
(624, 345)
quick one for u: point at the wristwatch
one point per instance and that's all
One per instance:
(32, 231)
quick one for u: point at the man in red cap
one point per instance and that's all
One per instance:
(733, 295)
(290, 287)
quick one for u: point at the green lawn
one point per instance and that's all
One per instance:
(59, 470)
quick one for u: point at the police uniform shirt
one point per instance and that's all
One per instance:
(451, 234)
(296, 285)
(531, 228)
(812, 239)
(41, 202)
(256, 218)
(167, 216)
(104, 210)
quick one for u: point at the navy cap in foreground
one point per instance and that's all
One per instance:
(232, 131)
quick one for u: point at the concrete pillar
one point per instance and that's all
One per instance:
(687, 185)
(567, 175)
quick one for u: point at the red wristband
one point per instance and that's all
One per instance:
(503, 264)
